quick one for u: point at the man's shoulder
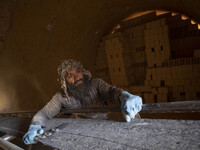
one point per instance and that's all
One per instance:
(59, 94)
(96, 80)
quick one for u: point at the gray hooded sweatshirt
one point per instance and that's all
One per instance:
(99, 92)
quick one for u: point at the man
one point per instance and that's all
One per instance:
(79, 90)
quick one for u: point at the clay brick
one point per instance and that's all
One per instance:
(153, 82)
(158, 83)
(163, 90)
(151, 98)
(148, 25)
(174, 76)
(175, 89)
(147, 83)
(183, 75)
(197, 53)
(181, 89)
(162, 22)
(163, 76)
(167, 82)
(146, 98)
(161, 98)
(196, 67)
(185, 82)
(154, 91)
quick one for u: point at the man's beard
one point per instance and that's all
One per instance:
(80, 92)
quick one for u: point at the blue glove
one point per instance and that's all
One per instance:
(33, 131)
(130, 105)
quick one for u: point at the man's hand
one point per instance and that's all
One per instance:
(130, 105)
(33, 131)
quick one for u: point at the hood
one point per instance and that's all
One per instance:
(64, 67)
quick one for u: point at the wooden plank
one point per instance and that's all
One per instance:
(168, 107)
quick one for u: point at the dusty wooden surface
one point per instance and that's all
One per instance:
(107, 134)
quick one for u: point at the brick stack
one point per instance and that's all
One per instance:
(157, 43)
(170, 79)
(137, 46)
(141, 56)
(117, 58)
(182, 81)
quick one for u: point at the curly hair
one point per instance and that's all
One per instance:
(64, 67)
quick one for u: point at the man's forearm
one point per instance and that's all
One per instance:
(51, 109)
(39, 118)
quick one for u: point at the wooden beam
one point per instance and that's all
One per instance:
(169, 107)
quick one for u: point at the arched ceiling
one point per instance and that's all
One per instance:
(77, 25)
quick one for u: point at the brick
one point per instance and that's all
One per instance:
(175, 95)
(190, 75)
(187, 96)
(148, 76)
(192, 88)
(162, 22)
(175, 89)
(135, 88)
(175, 82)
(153, 72)
(168, 77)
(196, 67)
(158, 70)
(163, 90)
(151, 98)
(159, 98)
(163, 76)
(174, 70)
(137, 93)
(185, 82)
(147, 83)
(181, 89)
(146, 98)
(162, 98)
(158, 74)
(146, 88)
(153, 82)
(183, 75)
(167, 82)
(197, 53)
(154, 91)
(193, 95)
(196, 75)
(197, 88)
(175, 76)
(148, 71)
(194, 82)
(158, 83)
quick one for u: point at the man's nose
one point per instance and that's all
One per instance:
(76, 78)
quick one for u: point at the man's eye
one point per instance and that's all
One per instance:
(69, 76)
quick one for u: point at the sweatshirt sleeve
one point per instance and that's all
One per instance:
(108, 91)
(51, 109)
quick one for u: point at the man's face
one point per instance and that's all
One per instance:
(74, 76)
